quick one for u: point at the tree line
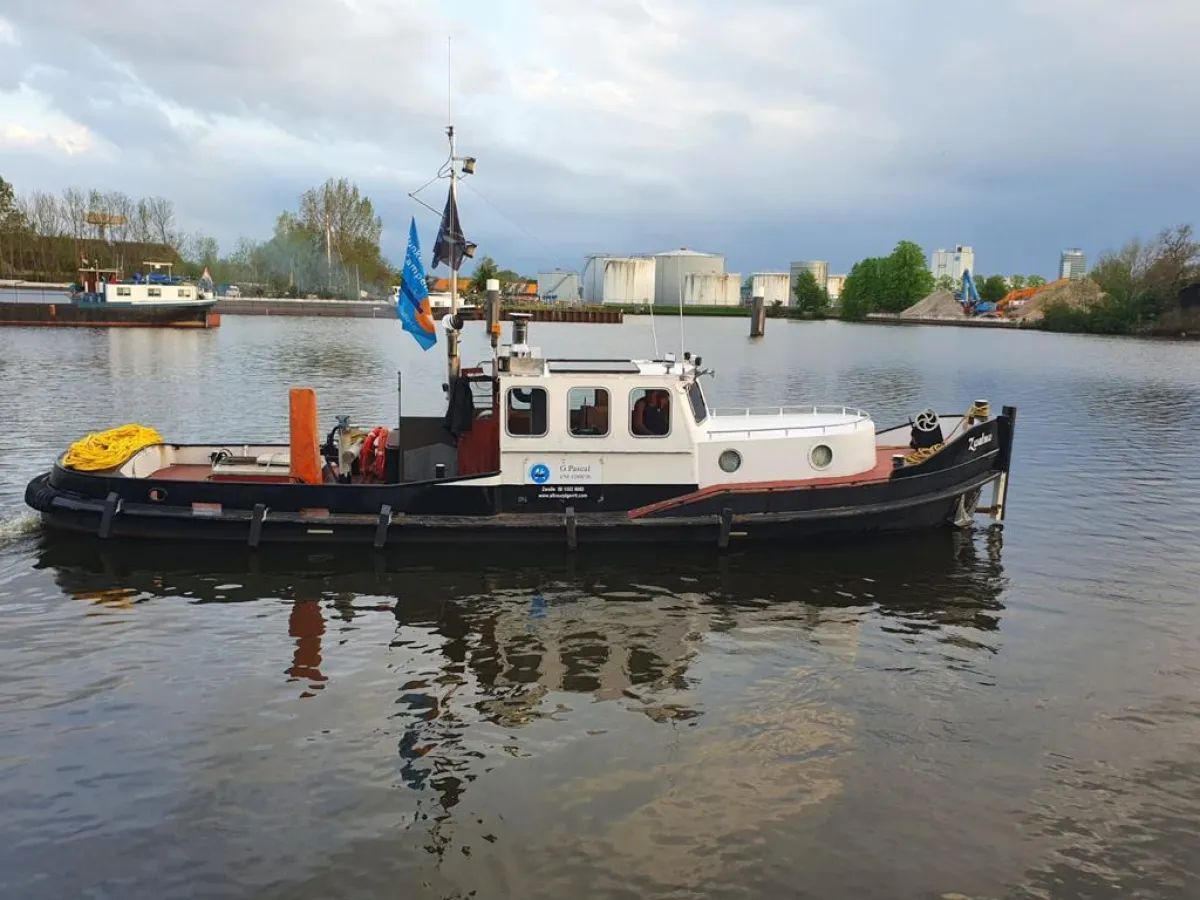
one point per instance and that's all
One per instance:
(1142, 287)
(329, 245)
(893, 283)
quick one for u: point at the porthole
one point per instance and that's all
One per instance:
(820, 456)
(729, 461)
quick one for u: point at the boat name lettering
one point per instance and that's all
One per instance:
(982, 441)
(541, 473)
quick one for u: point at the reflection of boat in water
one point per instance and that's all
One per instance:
(482, 662)
(942, 577)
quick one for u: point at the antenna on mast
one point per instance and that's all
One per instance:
(681, 339)
(452, 333)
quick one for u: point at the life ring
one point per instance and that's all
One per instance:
(372, 458)
(380, 461)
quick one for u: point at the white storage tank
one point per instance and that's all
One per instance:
(672, 267)
(704, 289)
(618, 280)
(558, 286)
(819, 268)
(772, 287)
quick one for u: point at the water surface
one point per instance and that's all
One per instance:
(997, 713)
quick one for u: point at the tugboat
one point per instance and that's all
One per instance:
(535, 449)
(103, 298)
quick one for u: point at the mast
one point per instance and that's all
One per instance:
(453, 224)
(453, 360)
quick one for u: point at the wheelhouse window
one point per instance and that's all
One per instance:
(154, 292)
(525, 412)
(123, 292)
(650, 412)
(185, 292)
(696, 398)
(587, 412)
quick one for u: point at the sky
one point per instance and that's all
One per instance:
(766, 130)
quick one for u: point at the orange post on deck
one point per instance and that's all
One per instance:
(304, 437)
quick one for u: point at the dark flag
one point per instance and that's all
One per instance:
(451, 246)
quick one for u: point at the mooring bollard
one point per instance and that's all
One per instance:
(758, 317)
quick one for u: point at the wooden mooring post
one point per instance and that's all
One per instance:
(758, 317)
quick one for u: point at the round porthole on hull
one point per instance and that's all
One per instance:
(729, 461)
(820, 456)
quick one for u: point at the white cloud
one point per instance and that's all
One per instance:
(31, 123)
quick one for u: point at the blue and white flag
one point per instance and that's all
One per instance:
(412, 304)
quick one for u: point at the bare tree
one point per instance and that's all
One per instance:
(141, 226)
(121, 207)
(163, 226)
(74, 208)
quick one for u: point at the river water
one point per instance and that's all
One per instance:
(1005, 713)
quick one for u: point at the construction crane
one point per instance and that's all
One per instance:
(968, 297)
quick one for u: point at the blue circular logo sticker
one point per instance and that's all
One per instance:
(540, 473)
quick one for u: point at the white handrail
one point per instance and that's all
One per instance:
(745, 412)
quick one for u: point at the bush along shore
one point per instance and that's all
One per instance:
(1150, 289)
(1145, 288)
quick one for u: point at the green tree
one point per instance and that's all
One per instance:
(343, 224)
(486, 268)
(1035, 281)
(1016, 282)
(992, 289)
(945, 283)
(864, 288)
(907, 276)
(811, 297)
(12, 226)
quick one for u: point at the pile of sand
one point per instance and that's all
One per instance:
(938, 305)
(1080, 293)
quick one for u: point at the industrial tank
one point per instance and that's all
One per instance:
(705, 289)
(558, 286)
(773, 287)
(672, 267)
(618, 280)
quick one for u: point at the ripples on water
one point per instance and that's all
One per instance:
(998, 714)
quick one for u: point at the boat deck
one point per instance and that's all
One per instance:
(204, 472)
(882, 471)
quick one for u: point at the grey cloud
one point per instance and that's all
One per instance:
(766, 129)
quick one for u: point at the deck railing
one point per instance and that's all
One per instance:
(728, 421)
(746, 412)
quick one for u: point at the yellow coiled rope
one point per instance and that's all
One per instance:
(108, 449)
(978, 410)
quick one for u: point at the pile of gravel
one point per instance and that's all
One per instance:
(938, 305)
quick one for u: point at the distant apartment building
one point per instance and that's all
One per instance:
(952, 262)
(818, 267)
(1072, 264)
(834, 285)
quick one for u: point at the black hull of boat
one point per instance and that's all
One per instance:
(937, 493)
(107, 315)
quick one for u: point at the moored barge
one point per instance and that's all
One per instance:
(104, 299)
